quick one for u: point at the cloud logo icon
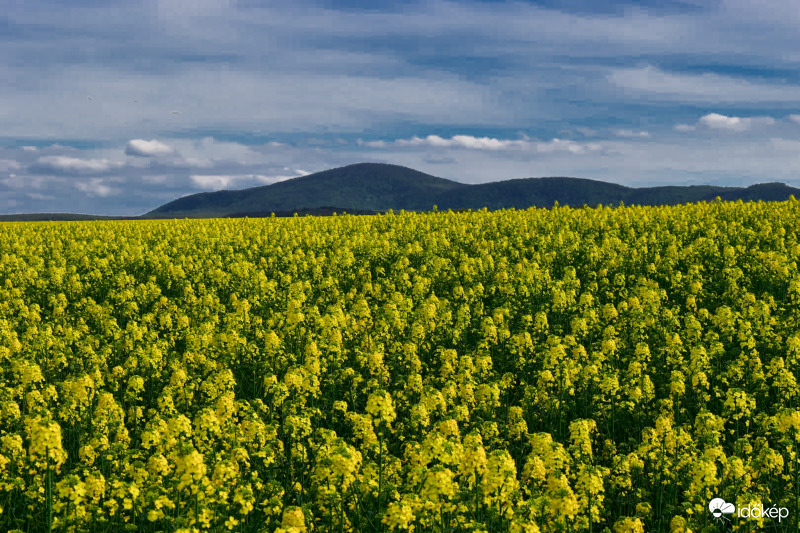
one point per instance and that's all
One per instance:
(719, 507)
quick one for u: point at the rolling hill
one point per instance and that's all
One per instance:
(375, 187)
(366, 188)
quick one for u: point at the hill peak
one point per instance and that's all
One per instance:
(361, 186)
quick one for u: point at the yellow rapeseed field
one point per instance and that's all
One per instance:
(558, 370)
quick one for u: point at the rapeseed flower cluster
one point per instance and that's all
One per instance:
(527, 371)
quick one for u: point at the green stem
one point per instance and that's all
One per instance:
(380, 469)
(796, 488)
(476, 496)
(341, 514)
(49, 493)
(590, 512)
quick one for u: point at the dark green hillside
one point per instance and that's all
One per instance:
(316, 212)
(524, 193)
(671, 195)
(374, 187)
(767, 192)
(364, 186)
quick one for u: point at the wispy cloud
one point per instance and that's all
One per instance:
(97, 187)
(8, 165)
(632, 134)
(658, 84)
(71, 165)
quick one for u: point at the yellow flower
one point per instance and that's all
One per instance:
(517, 426)
(399, 515)
(500, 479)
(381, 407)
(644, 509)
(336, 465)
(678, 525)
(292, 521)
(580, 432)
(190, 470)
(363, 428)
(562, 501)
(628, 525)
(473, 464)
(45, 449)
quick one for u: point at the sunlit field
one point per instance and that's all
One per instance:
(553, 370)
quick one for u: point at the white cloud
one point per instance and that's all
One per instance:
(7, 165)
(794, 118)
(59, 163)
(791, 146)
(192, 162)
(722, 122)
(213, 150)
(183, 9)
(28, 181)
(373, 144)
(631, 134)
(39, 196)
(234, 99)
(717, 121)
(562, 145)
(654, 83)
(220, 181)
(96, 187)
(154, 179)
(487, 143)
(152, 148)
(29, 148)
(462, 141)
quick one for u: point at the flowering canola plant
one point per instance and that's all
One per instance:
(545, 370)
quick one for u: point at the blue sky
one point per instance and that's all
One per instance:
(117, 107)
